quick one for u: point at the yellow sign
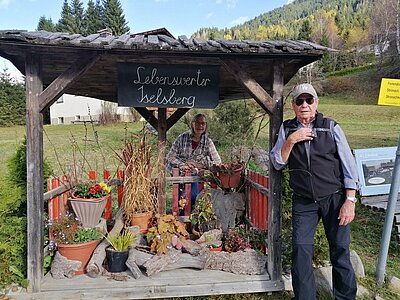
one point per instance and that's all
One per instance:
(390, 92)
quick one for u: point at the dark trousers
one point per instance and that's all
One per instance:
(306, 215)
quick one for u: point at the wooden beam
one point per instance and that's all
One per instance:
(275, 180)
(162, 137)
(34, 169)
(65, 80)
(148, 116)
(252, 86)
(179, 113)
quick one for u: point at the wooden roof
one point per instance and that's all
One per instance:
(59, 51)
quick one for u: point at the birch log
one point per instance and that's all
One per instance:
(95, 265)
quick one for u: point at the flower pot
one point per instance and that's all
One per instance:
(142, 220)
(230, 178)
(81, 252)
(88, 211)
(216, 249)
(116, 260)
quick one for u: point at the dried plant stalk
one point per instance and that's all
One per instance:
(140, 192)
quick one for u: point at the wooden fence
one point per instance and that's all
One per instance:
(256, 194)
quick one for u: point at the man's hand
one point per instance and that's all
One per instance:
(302, 134)
(347, 213)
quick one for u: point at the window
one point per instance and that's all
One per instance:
(60, 100)
(77, 118)
(60, 120)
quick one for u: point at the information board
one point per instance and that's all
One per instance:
(389, 93)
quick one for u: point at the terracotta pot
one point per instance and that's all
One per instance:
(88, 211)
(81, 252)
(231, 178)
(216, 249)
(142, 220)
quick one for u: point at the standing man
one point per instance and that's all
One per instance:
(324, 180)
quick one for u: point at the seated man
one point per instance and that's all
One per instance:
(193, 150)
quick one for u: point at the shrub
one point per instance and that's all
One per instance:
(13, 245)
(233, 122)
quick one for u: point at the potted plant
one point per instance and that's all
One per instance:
(118, 251)
(88, 201)
(167, 232)
(228, 175)
(139, 198)
(240, 238)
(203, 217)
(73, 241)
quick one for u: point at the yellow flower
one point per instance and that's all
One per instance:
(105, 187)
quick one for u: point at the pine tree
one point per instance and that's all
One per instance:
(93, 19)
(305, 30)
(64, 24)
(46, 24)
(77, 16)
(71, 17)
(114, 18)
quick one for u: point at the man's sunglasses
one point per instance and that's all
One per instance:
(300, 101)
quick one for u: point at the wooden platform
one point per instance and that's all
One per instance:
(379, 203)
(176, 283)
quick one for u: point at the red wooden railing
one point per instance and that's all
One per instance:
(256, 191)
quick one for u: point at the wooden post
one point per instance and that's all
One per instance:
(34, 169)
(275, 180)
(162, 137)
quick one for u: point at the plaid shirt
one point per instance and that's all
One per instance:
(181, 151)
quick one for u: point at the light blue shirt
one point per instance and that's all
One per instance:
(346, 157)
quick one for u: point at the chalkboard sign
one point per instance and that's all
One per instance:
(159, 85)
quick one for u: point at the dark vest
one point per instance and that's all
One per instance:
(318, 173)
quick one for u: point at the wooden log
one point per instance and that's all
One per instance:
(95, 265)
(241, 262)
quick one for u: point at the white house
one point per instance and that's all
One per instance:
(70, 109)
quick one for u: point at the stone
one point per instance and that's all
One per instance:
(394, 284)
(357, 264)
(323, 280)
(362, 292)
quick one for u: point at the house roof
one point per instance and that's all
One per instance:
(59, 51)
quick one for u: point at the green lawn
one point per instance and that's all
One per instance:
(365, 126)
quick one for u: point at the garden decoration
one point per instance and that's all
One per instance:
(229, 174)
(73, 241)
(88, 201)
(241, 238)
(203, 217)
(168, 232)
(118, 251)
(140, 197)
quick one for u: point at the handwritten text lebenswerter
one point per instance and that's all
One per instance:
(166, 94)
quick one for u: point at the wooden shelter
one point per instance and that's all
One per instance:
(57, 63)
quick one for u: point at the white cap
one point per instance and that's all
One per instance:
(304, 88)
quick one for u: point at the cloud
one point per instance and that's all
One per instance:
(218, 1)
(4, 3)
(210, 15)
(161, 0)
(239, 20)
(289, 1)
(231, 3)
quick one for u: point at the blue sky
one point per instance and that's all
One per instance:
(180, 17)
